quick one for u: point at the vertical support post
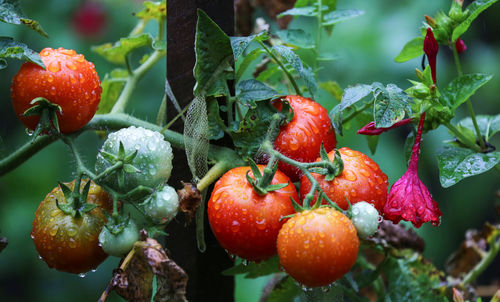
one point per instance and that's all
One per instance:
(204, 269)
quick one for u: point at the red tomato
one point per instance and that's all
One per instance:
(245, 223)
(361, 180)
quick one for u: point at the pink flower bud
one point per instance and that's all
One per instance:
(409, 199)
(460, 45)
(431, 48)
(370, 129)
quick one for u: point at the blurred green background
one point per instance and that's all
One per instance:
(365, 47)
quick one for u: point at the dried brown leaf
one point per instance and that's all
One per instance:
(471, 251)
(397, 236)
(189, 199)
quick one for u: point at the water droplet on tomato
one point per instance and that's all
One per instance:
(235, 226)
(71, 65)
(82, 275)
(72, 232)
(349, 175)
(53, 231)
(261, 224)
(54, 66)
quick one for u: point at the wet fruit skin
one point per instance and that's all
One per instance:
(301, 138)
(66, 243)
(361, 180)
(68, 80)
(317, 247)
(245, 223)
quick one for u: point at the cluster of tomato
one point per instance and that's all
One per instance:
(76, 227)
(317, 245)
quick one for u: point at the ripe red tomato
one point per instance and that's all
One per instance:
(66, 243)
(245, 223)
(301, 138)
(361, 180)
(317, 247)
(69, 81)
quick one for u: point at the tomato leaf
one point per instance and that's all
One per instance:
(475, 8)
(249, 92)
(254, 270)
(296, 37)
(214, 56)
(242, 65)
(304, 72)
(411, 50)
(117, 52)
(364, 118)
(10, 12)
(307, 11)
(488, 125)
(462, 88)
(412, 279)
(153, 10)
(283, 289)
(239, 44)
(112, 86)
(216, 126)
(457, 163)
(391, 105)
(342, 15)
(10, 49)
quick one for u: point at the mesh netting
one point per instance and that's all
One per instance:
(196, 134)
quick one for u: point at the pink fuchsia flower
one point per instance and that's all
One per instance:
(370, 129)
(409, 199)
(460, 45)
(431, 48)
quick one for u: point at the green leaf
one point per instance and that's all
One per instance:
(11, 49)
(296, 37)
(475, 8)
(462, 88)
(391, 105)
(488, 124)
(112, 85)
(308, 11)
(249, 92)
(285, 290)
(239, 44)
(411, 279)
(216, 126)
(411, 50)
(249, 134)
(117, 52)
(10, 12)
(342, 15)
(254, 270)
(294, 60)
(333, 88)
(354, 94)
(457, 163)
(153, 10)
(242, 65)
(214, 56)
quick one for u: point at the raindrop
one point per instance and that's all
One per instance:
(82, 275)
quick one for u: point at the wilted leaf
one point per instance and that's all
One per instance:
(253, 269)
(392, 235)
(10, 12)
(133, 280)
(117, 52)
(471, 250)
(10, 49)
(189, 199)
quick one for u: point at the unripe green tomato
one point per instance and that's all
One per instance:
(162, 205)
(153, 159)
(365, 218)
(121, 244)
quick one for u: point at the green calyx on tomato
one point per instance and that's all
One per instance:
(144, 156)
(76, 202)
(118, 238)
(48, 115)
(261, 182)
